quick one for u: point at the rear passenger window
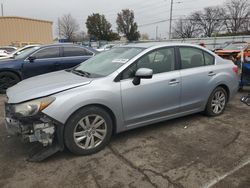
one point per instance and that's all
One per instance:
(209, 59)
(74, 51)
(191, 57)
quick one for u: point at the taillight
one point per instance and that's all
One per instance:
(236, 69)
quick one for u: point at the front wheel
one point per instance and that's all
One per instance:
(217, 102)
(88, 130)
(7, 79)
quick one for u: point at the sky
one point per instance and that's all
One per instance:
(146, 11)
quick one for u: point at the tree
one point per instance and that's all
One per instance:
(237, 13)
(67, 27)
(209, 20)
(81, 36)
(144, 36)
(99, 28)
(126, 25)
(185, 28)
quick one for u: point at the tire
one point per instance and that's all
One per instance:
(81, 137)
(8, 79)
(219, 98)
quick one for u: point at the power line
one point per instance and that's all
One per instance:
(188, 19)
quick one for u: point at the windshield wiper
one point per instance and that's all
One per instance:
(81, 72)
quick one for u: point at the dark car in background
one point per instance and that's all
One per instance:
(8, 49)
(41, 60)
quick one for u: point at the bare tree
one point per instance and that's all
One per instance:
(81, 36)
(209, 20)
(185, 28)
(246, 27)
(67, 27)
(237, 13)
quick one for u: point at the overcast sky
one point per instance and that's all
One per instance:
(146, 11)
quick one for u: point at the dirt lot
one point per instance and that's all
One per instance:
(193, 151)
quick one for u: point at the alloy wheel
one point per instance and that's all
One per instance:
(218, 102)
(90, 131)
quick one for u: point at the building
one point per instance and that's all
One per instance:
(18, 31)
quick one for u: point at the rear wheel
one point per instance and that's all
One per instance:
(217, 102)
(7, 79)
(88, 130)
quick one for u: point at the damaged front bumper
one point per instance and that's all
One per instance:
(39, 128)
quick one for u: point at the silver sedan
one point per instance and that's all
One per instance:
(121, 89)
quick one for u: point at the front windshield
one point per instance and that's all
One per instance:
(236, 46)
(107, 62)
(25, 53)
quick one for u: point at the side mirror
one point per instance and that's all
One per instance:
(31, 58)
(142, 73)
(246, 100)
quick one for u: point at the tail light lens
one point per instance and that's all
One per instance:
(236, 69)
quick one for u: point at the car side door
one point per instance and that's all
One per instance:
(73, 55)
(197, 73)
(42, 61)
(156, 98)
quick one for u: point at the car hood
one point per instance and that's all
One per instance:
(45, 85)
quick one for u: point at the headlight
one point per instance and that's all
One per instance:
(33, 107)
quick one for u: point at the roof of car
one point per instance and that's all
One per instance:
(68, 44)
(61, 44)
(151, 44)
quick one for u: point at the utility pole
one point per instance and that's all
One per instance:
(2, 8)
(59, 29)
(156, 33)
(170, 20)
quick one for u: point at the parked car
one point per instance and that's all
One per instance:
(41, 60)
(222, 46)
(18, 51)
(105, 47)
(8, 49)
(245, 74)
(3, 53)
(233, 51)
(118, 90)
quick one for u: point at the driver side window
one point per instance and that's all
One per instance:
(160, 60)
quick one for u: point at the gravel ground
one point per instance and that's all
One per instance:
(191, 152)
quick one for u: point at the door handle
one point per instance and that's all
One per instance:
(211, 73)
(56, 63)
(173, 82)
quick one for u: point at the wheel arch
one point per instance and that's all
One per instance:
(12, 71)
(226, 88)
(107, 109)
